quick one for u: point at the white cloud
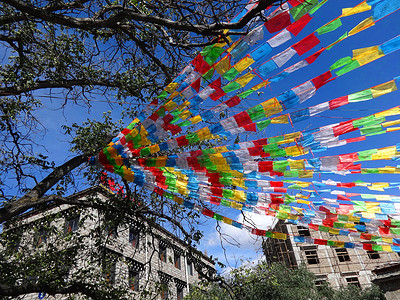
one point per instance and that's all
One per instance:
(233, 246)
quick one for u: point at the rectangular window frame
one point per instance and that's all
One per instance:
(342, 254)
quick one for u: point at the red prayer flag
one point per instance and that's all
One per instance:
(278, 22)
(314, 56)
(242, 118)
(321, 79)
(295, 2)
(182, 141)
(298, 26)
(196, 85)
(335, 103)
(265, 166)
(306, 44)
(343, 128)
(233, 101)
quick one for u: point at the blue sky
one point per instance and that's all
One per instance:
(369, 75)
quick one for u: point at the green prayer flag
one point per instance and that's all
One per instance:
(300, 10)
(341, 62)
(163, 95)
(209, 74)
(347, 68)
(231, 74)
(329, 27)
(213, 55)
(246, 93)
(313, 10)
(263, 124)
(371, 129)
(360, 96)
(233, 86)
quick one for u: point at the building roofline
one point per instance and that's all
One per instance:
(107, 192)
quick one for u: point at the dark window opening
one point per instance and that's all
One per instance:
(177, 260)
(163, 253)
(342, 254)
(373, 254)
(190, 267)
(71, 225)
(40, 238)
(353, 281)
(179, 294)
(134, 237)
(303, 231)
(134, 280)
(311, 255)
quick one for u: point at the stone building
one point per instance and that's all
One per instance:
(136, 256)
(387, 277)
(337, 266)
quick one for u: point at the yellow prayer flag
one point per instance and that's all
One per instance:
(173, 95)
(368, 22)
(154, 148)
(271, 107)
(280, 120)
(303, 201)
(306, 173)
(387, 170)
(366, 55)
(223, 65)
(161, 161)
(391, 123)
(178, 200)
(334, 231)
(279, 235)
(259, 86)
(387, 248)
(237, 206)
(227, 220)
(195, 120)
(383, 197)
(245, 79)
(238, 195)
(296, 164)
(295, 151)
(387, 240)
(243, 64)
(204, 133)
(184, 115)
(171, 87)
(293, 135)
(339, 244)
(392, 129)
(238, 182)
(183, 105)
(128, 174)
(378, 186)
(170, 105)
(373, 207)
(383, 89)
(356, 9)
(390, 112)
(349, 225)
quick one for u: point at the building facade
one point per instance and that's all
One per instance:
(147, 261)
(337, 266)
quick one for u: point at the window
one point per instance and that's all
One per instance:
(320, 283)
(163, 253)
(71, 225)
(134, 280)
(373, 254)
(109, 272)
(303, 231)
(164, 292)
(177, 260)
(179, 294)
(40, 238)
(190, 267)
(134, 237)
(342, 254)
(111, 229)
(311, 255)
(353, 280)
